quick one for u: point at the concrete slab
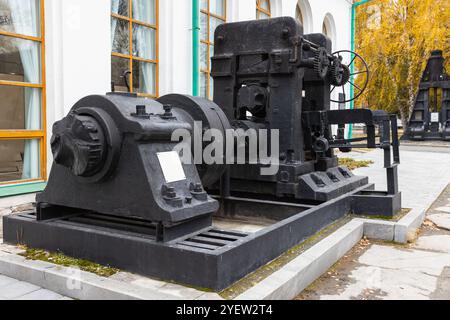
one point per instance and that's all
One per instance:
(5, 281)
(442, 291)
(41, 294)
(385, 273)
(386, 257)
(137, 280)
(180, 291)
(442, 220)
(439, 243)
(387, 284)
(414, 175)
(443, 209)
(17, 289)
(14, 201)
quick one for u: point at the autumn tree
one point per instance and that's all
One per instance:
(396, 38)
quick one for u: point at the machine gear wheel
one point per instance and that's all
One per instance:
(339, 73)
(321, 63)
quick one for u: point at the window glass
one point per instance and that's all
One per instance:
(140, 57)
(119, 7)
(265, 4)
(263, 9)
(213, 14)
(217, 7)
(20, 57)
(144, 11)
(118, 68)
(144, 74)
(121, 39)
(203, 56)
(213, 24)
(20, 107)
(19, 160)
(20, 16)
(144, 40)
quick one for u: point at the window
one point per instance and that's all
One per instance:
(303, 14)
(22, 91)
(134, 38)
(263, 9)
(212, 14)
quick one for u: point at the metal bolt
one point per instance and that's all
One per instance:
(140, 110)
(197, 187)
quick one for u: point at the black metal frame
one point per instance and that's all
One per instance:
(221, 257)
(420, 126)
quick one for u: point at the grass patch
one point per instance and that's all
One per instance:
(62, 260)
(353, 164)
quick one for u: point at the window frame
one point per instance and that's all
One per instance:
(23, 134)
(209, 43)
(130, 56)
(260, 9)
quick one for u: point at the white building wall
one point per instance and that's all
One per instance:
(175, 47)
(78, 54)
(78, 44)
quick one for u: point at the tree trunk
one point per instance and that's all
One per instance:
(404, 118)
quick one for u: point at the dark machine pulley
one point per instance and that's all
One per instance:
(210, 116)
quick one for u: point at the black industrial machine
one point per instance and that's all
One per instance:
(119, 194)
(430, 119)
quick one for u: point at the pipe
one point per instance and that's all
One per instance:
(353, 26)
(195, 47)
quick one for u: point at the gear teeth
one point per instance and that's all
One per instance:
(320, 67)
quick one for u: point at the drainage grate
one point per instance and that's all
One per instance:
(213, 239)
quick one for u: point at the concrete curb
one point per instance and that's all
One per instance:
(74, 283)
(401, 231)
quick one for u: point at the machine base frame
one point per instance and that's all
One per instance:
(211, 258)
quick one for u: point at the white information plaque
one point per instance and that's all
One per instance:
(435, 117)
(171, 166)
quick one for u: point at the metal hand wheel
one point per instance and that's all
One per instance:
(349, 60)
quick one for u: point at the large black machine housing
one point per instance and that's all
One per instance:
(118, 193)
(430, 119)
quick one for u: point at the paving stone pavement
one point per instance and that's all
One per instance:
(422, 175)
(420, 270)
(12, 289)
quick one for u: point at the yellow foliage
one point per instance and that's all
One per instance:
(396, 38)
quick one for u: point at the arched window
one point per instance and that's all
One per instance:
(329, 28)
(263, 9)
(303, 14)
(134, 37)
(212, 14)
